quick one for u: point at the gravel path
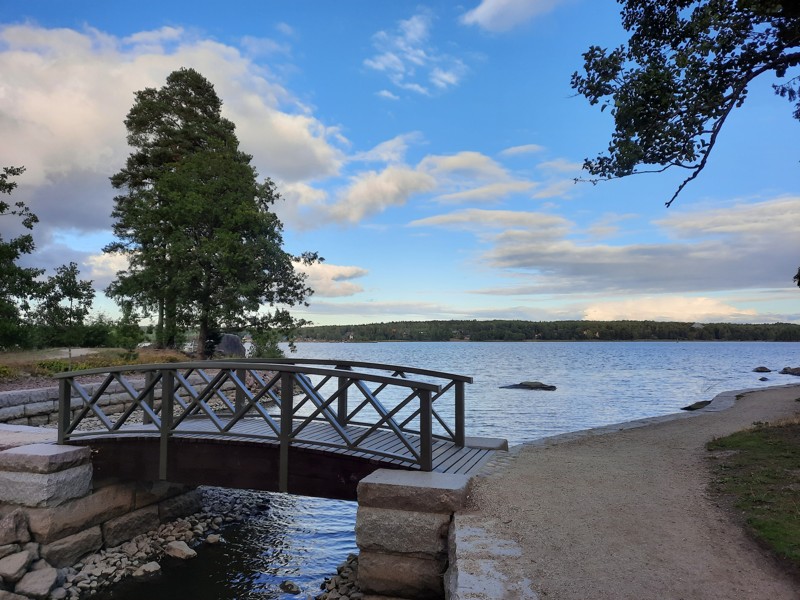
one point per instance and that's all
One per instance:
(627, 515)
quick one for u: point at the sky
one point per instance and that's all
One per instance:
(427, 151)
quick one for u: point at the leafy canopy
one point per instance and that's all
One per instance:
(204, 248)
(686, 66)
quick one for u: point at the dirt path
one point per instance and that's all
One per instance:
(627, 515)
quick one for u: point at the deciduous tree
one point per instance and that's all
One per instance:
(687, 65)
(17, 284)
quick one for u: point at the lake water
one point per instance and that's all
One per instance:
(598, 383)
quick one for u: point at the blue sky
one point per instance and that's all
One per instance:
(427, 151)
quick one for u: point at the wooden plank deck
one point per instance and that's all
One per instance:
(381, 445)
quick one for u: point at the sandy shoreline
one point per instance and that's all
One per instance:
(627, 515)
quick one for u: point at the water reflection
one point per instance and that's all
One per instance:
(294, 537)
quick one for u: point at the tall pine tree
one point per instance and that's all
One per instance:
(203, 246)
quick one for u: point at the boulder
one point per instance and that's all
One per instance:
(762, 370)
(14, 528)
(697, 405)
(790, 371)
(530, 385)
(67, 551)
(13, 567)
(38, 584)
(147, 569)
(763, 378)
(290, 587)
(179, 550)
(230, 346)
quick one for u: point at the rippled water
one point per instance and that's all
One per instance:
(304, 539)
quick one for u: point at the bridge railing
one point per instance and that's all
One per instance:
(360, 404)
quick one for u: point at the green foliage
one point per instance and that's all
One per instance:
(7, 372)
(203, 246)
(510, 331)
(17, 284)
(265, 345)
(127, 333)
(762, 479)
(686, 66)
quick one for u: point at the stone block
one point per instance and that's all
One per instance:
(11, 413)
(403, 576)
(68, 551)
(38, 420)
(414, 490)
(37, 584)
(14, 528)
(50, 524)
(125, 527)
(41, 408)
(487, 443)
(6, 595)
(43, 458)
(45, 489)
(150, 492)
(14, 566)
(180, 506)
(418, 534)
(12, 436)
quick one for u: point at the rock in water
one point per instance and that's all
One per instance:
(697, 405)
(179, 550)
(762, 370)
(530, 385)
(290, 587)
(790, 371)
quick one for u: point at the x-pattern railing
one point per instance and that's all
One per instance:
(361, 406)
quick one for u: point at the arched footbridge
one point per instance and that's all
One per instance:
(311, 427)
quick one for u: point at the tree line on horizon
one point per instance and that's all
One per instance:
(530, 331)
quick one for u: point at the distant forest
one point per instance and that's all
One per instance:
(522, 331)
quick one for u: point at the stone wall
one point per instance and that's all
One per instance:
(38, 407)
(402, 529)
(52, 514)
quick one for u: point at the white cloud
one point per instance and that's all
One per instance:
(387, 95)
(372, 192)
(390, 151)
(469, 164)
(560, 165)
(533, 223)
(65, 94)
(525, 149)
(556, 189)
(410, 62)
(261, 46)
(332, 281)
(668, 308)
(492, 192)
(501, 15)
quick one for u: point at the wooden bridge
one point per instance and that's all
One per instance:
(311, 427)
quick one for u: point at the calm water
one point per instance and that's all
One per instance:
(599, 383)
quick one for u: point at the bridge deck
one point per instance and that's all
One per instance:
(447, 457)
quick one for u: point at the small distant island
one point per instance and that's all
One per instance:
(532, 331)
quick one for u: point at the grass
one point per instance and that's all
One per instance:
(760, 475)
(39, 363)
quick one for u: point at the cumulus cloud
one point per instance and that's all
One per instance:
(739, 247)
(468, 164)
(390, 151)
(525, 149)
(67, 92)
(668, 308)
(493, 192)
(410, 62)
(332, 281)
(502, 15)
(373, 191)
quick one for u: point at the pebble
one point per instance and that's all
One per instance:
(343, 586)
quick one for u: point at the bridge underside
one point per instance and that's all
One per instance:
(249, 464)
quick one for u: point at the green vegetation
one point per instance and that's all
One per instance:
(203, 246)
(520, 331)
(37, 363)
(686, 66)
(761, 477)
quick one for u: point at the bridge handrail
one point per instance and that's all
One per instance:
(285, 377)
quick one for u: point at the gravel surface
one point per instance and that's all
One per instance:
(628, 515)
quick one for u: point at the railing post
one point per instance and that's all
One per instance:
(341, 409)
(287, 407)
(425, 431)
(241, 375)
(149, 399)
(460, 392)
(64, 408)
(167, 392)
